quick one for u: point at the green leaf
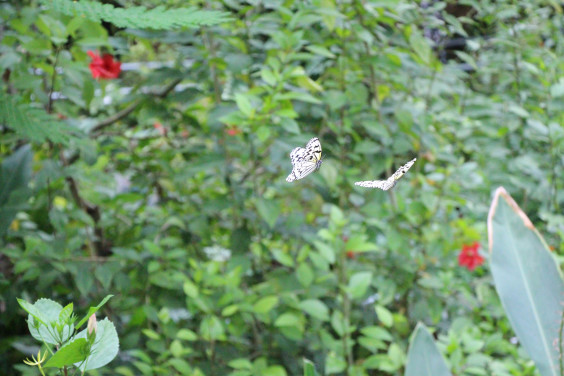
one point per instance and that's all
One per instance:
(315, 308)
(186, 335)
(268, 76)
(48, 311)
(269, 211)
(240, 363)
(283, 257)
(384, 316)
(265, 304)
(158, 18)
(34, 123)
(527, 280)
(557, 90)
(420, 45)
(295, 95)
(519, 111)
(309, 368)
(244, 104)
(93, 310)
(32, 310)
(72, 352)
(66, 313)
(190, 289)
(304, 274)
(325, 251)
(211, 329)
(321, 51)
(423, 357)
(105, 346)
(275, 371)
(334, 363)
(15, 173)
(150, 333)
(287, 319)
(358, 284)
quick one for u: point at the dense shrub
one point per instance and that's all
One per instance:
(166, 186)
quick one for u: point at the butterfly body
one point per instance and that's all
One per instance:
(305, 160)
(389, 182)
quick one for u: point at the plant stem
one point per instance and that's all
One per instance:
(53, 77)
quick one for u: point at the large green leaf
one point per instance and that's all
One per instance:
(47, 312)
(105, 347)
(423, 357)
(15, 173)
(73, 352)
(527, 280)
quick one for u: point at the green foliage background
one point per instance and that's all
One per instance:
(218, 265)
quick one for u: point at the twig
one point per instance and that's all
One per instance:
(53, 77)
(129, 109)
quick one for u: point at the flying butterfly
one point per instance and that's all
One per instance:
(389, 182)
(305, 160)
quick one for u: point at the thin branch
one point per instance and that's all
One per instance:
(129, 109)
(53, 77)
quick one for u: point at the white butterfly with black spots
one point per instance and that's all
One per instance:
(305, 160)
(389, 182)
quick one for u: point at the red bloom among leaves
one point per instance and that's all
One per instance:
(105, 66)
(469, 256)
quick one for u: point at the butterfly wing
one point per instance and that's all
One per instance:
(305, 161)
(402, 170)
(391, 181)
(382, 184)
(313, 147)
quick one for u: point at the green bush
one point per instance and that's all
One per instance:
(166, 187)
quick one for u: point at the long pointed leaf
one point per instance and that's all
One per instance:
(423, 357)
(527, 280)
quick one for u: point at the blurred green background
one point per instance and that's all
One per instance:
(166, 186)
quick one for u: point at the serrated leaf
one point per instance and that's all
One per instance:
(105, 347)
(49, 312)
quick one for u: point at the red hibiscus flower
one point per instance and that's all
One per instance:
(104, 67)
(469, 257)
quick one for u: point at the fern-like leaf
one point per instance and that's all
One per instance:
(33, 123)
(158, 18)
